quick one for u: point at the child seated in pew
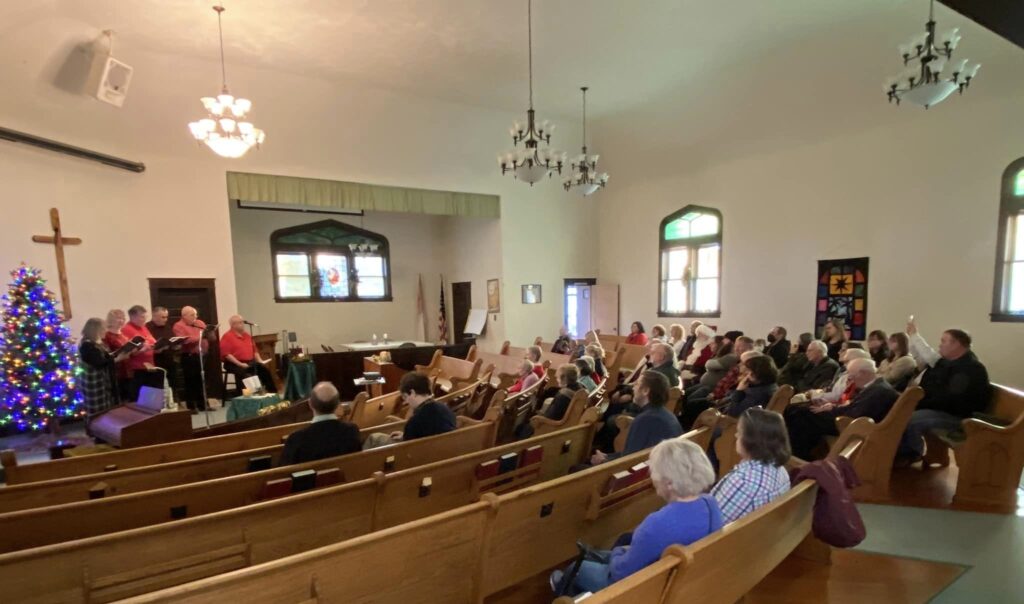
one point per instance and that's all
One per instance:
(763, 446)
(681, 473)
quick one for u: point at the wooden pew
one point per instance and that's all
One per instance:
(512, 351)
(506, 368)
(41, 526)
(299, 411)
(166, 453)
(727, 564)
(127, 563)
(462, 555)
(623, 421)
(610, 341)
(875, 458)
(990, 456)
(135, 480)
(366, 411)
(630, 355)
(557, 360)
(543, 425)
(725, 445)
(517, 407)
(451, 373)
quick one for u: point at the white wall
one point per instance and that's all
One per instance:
(917, 193)
(172, 220)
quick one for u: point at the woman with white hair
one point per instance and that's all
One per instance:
(113, 339)
(594, 351)
(693, 366)
(681, 473)
(526, 378)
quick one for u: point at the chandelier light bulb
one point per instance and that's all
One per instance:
(220, 130)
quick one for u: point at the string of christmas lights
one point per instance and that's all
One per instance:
(38, 358)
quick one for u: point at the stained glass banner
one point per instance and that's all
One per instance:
(842, 293)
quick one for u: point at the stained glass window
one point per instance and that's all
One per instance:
(691, 247)
(330, 261)
(1008, 294)
(842, 293)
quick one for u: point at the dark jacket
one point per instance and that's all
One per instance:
(756, 395)
(320, 440)
(836, 520)
(556, 410)
(794, 369)
(669, 371)
(429, 419)
(779, 352)
(958, 387)
(651, 426)
(817, 376)
(873, 401)
(716, 368)
(833, 349)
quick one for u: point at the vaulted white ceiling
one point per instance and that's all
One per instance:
(673, 71)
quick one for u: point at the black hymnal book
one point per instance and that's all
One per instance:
(165, 343)
(133, 344)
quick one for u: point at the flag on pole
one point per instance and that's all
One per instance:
(442, 319)
(421, 312)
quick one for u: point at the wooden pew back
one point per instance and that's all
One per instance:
(631, 355)
(459, 556)
(451, 370)
(136, 480)
(143, 456)
(366, 411)
(610, 341)
(42, 526)
(132, 562)
(506, 368)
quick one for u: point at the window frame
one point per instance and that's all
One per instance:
(1010, 205)
(693, 244)
(311, 250)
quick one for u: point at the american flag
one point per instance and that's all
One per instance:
(442, 319)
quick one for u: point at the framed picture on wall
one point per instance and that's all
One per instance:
(493, 296)
(531, 294)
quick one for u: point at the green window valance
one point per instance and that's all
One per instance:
(315, 192)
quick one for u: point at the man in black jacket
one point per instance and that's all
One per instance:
(326, 435)
(955, 385)
(778, 346)
(820, 368)
(428, 417)
(808, 424)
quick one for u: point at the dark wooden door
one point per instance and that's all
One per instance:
(462, 300)
(201, 294)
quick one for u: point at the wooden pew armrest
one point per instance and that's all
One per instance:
(623, 421)
(973, 425)
(539, 420)
(842, 422)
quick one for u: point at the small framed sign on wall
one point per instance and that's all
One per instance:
(531, 294)
(493, 296)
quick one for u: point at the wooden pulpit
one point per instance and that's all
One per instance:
(266, 345)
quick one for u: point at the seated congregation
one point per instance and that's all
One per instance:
(600, 468)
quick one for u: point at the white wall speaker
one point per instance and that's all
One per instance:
(112, 85)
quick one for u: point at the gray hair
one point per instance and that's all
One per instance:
(588, 361)
(853, 354)
(594, 349)
(683, 465)
(750, 354)
(819, 345)
(861, 365)
(666, 349)
(534, 352)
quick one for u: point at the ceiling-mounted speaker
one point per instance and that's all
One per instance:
(109, 78)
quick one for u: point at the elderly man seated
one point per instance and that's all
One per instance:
(240, 357)
(809, 424)
(841, 388)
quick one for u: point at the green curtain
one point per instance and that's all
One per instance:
(314, 192)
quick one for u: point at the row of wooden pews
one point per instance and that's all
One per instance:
(119, 564)
(462, 555)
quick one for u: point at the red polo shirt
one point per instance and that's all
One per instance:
(236, 344)
(193, 333)
(137, 362)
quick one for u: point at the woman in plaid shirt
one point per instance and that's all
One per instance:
(99, 382)
(763, 445)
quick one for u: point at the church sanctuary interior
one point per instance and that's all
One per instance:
(525, 302)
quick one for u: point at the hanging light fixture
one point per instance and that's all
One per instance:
(531, 162)
(225, 129)
(585, 178)
(927, 78)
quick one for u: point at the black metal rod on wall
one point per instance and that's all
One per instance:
(44, 143)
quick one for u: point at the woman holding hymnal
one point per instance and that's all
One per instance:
(99, 380)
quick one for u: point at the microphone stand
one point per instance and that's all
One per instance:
(255, 353)
(202, 375)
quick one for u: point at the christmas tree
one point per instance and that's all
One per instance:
(38, 359)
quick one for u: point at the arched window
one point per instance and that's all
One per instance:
(330, 261)
(690, 264)
(1008, 291)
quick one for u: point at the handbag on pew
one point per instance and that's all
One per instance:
(587, 553)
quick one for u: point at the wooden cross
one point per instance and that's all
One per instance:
(59, 241)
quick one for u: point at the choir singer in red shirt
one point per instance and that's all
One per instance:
(240, 357)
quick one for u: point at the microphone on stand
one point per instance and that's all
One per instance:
(251, 324)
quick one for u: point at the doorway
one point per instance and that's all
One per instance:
(576, 298)
(462, 300)
(201, 294)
